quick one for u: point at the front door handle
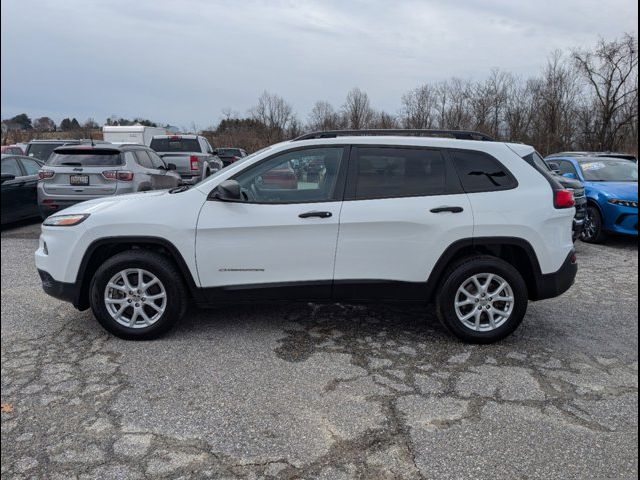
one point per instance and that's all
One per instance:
(315, 214)
(447, 209)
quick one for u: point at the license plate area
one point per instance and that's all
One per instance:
(81, 180)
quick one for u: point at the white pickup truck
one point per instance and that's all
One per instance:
(194, 157)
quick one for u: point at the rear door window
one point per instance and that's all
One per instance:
(399, 172)
(567, 167)
(480, 172)
(85, 158)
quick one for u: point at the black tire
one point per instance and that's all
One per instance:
(164, 269)
(457, 275)
(593, 230)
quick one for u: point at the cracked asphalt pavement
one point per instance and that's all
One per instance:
(323, 391)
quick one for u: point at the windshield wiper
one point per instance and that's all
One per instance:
(72, 164)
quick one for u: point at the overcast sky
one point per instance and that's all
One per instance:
(185, 61)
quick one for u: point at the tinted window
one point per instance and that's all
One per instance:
(143, 159)
(479, 172)
(10, 165)
(30, 166)
(177, 144)
(82, 158)
(399, 172)
(301, 176)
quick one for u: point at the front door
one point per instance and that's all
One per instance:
(280, 241)
(403, 207)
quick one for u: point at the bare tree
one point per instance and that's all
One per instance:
(275, 114)
(324, 117)
(419, 107)
(611, 72)
(357, 110)
(384, 120)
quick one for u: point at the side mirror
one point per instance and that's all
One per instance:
(8, 176)
(227, 191)
(171, 166)
(570, 175)
(214, 152)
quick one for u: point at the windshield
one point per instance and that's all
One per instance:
(94, 159)
(178, 144)
(609, 170)
(42, 150)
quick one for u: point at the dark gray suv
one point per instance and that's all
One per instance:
(76, 173)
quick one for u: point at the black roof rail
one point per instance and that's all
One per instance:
(457, 134)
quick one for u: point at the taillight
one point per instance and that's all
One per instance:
(123, 175)
(195, 163)
(564, 199)
(44, 174)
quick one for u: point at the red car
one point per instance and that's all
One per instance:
(11, 150)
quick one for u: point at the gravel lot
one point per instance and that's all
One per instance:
(327, 392)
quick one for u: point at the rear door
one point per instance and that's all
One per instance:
(403, 207)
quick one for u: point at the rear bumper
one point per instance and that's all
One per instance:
(68, 292)
(555, 284)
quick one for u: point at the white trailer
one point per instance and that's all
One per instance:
(131, 134)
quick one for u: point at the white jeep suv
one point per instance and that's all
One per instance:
(447, 217)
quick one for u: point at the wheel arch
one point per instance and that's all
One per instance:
(516, 251)
(102, 249)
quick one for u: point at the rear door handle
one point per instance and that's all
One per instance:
(315, 214)
(447, 209)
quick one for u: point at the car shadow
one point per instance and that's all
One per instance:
(29, 228)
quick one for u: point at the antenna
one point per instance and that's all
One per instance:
(91, 138)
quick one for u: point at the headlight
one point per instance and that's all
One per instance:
(624, 203)
(65, 220)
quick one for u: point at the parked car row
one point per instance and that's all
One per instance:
(611, 190)
(72, 171)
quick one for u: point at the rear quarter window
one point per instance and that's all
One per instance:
(175, 145)
(480, 172)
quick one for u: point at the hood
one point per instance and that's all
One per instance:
(122, 201)
(620, 190)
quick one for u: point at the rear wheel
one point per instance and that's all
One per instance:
(137, 295)
(483, 299)
(593, 231)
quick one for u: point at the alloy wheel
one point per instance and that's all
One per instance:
(135, 298)
(484, 302)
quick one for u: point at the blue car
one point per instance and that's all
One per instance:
(612, 191)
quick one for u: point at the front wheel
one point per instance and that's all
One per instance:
(593, 231)
(137, 295)
(483, 299)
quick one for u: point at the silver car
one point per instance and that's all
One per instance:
(76, 173)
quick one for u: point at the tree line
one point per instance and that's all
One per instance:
(583, 99)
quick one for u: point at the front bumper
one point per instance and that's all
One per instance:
(555, 284)
(620, 219)
(68, 292)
